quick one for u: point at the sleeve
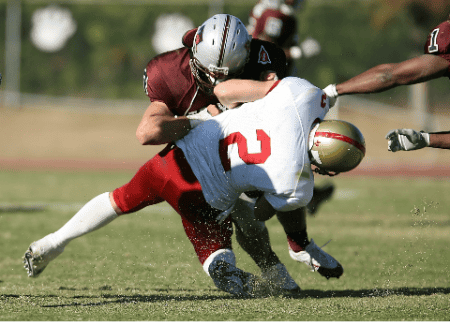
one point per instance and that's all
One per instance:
(155, 86)
(438, 42)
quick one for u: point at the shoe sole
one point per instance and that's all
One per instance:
(28, 261)
(331, 272)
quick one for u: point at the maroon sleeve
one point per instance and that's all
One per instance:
(438, 42)
(155, 86)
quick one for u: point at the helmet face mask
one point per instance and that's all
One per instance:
(220, 51)
(336, 146)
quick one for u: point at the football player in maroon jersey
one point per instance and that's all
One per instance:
(434, 63)
(275, 21)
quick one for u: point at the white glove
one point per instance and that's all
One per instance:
(197, 117)
(407, 140)
(332, 94)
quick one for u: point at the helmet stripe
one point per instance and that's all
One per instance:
(224, 40)
(342, 138)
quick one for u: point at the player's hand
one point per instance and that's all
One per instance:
(331, 93)
(407, 140)
(213, 110)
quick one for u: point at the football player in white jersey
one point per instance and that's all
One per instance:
(265, 146)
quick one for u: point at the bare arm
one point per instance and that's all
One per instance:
(440, 140)
(158, 125)
(234, 91)
(387, 76)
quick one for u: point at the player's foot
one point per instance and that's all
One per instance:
(320, 196)
(279, 280)
(318, 260)
(39, 255)
(231, 279)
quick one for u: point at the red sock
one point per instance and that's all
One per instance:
(294, 246)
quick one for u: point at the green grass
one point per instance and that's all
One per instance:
(391, 235)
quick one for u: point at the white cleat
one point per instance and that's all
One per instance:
(279, 280)
(39, 255)
(318, 260)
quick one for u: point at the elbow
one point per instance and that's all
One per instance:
(222, 94)
(142, 137)
(149, 134)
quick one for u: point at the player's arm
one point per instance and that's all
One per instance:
(233, 92)
(440, 140)
(387, 76)
(410, 140)
(158, 125)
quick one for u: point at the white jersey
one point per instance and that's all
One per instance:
(262, 145)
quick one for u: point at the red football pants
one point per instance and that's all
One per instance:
(168, 176)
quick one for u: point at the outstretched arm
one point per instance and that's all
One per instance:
(440, 140)
(387, 76)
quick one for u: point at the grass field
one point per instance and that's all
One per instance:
(391, 235)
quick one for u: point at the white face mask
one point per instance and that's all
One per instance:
(314, 154)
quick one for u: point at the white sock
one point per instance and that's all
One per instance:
(224, 254)
(95, 214)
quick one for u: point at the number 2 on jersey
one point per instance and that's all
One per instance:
(241, 141)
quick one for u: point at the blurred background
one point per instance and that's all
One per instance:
(72, 93)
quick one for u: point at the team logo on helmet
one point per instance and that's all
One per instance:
(199, 36)
(263, 56)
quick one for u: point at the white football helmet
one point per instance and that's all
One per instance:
(336, 146)
(220, 51)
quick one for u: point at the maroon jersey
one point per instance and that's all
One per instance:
(438, 42)
(279, 27)
(168, 77)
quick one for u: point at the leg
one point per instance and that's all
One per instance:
(305, 251)
(253, 236)
(95, 214)
(211, 241)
